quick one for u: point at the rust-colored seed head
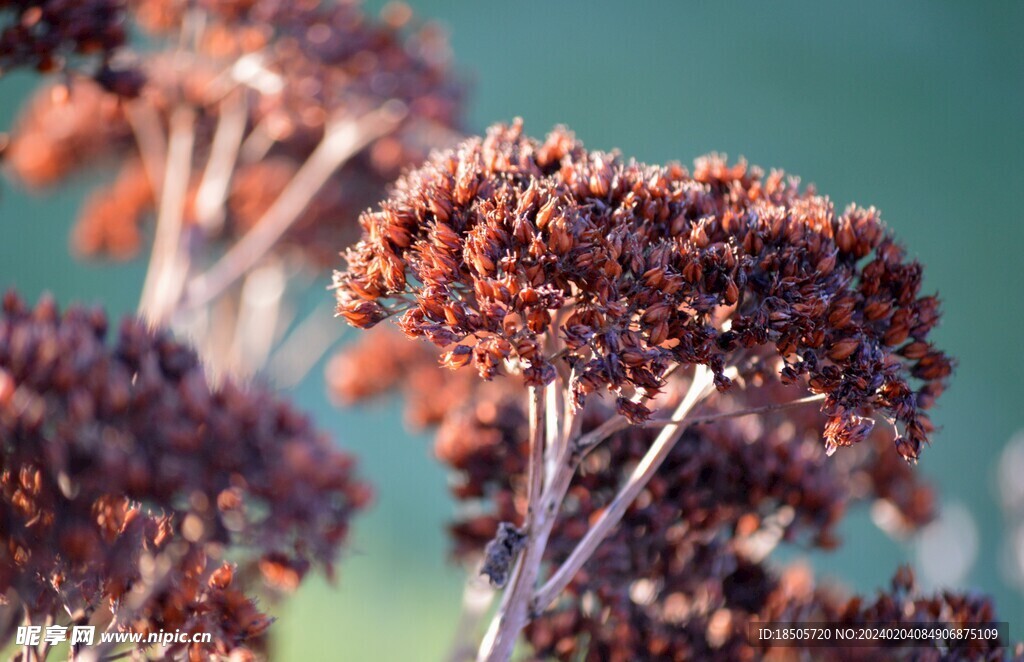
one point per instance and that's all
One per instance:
(62, 128)
(310, 65)
(119, 459)
(493, 249)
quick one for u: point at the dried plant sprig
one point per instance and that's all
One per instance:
(126, 479)
(585, 274)
(726, 493)
(312, 67)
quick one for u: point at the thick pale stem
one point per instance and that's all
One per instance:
(512, 614)
(227, 139)
(581, 445)
(700, 387)
(342, 140)
(553, 396)
(150, 140)
(572, 425)
(257, 143)
(168, 264)
(28, 651)
(218, 336)
(538, 427)
(44, 648)
(259, 309)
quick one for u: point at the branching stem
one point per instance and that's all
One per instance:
(700, 387)
(711, 418)
(512, 614)
(227, 139)
(342, 140)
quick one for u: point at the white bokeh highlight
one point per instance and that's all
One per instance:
(948, 547)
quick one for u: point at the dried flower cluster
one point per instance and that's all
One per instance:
(278, 74)
(328, 56)
(690, 549)
(687, 570)
(128, 483)
(43, 33)
(587, 274)
(64, 129)
(505, 246)
(712, 621)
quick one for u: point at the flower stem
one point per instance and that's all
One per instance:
(512, 614)
(342, 140)
(227, 139)
(711, 418)
(477, 597)
(168, 263)
(538, 427)
(700, 387)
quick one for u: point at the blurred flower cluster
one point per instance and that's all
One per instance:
(43, 34)
(134, 496)
(245, 139)
(281, 71)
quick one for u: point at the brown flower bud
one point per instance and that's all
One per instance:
(457, 357)
(843, 349)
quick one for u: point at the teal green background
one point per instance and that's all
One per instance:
(915, 107)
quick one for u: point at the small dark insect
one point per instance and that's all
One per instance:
(500, 554)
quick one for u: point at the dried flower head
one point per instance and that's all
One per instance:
(64, 128)
(713, 621)
(686, 572)
(43, 34)
(278, 76)
(126, 480)
(506, 246)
